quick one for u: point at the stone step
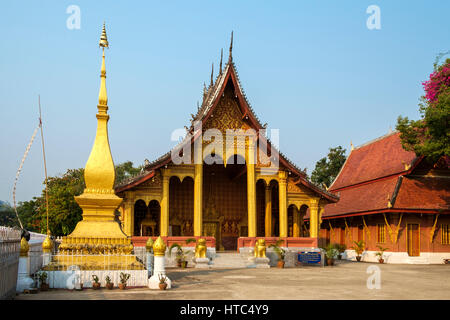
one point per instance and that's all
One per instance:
(229, 260)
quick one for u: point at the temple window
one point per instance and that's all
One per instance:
(381, 234)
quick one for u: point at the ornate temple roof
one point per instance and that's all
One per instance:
(211, 96)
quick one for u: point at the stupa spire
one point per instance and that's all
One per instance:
(102, 96)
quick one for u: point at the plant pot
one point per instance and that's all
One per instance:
(96, 285)
(44, 286)
(110, 286)
(280, 264)
(330, 262)
(179, 263)
(358, 258)
(339, 257)
(184, 264)
(163, 286)
(122, 286)
(381, 260)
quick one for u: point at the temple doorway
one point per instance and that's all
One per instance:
(225, 202)
(146, 218)
(181, 207)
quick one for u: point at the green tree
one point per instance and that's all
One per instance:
(430, 135)
(125, 170)
(328, 167)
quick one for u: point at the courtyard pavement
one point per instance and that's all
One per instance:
(346, 280)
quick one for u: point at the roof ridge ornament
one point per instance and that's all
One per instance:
(221, 57)
(212, 75)
(230, 57)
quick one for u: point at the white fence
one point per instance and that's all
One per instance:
(9, 261)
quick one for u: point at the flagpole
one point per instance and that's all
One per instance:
(45, 163)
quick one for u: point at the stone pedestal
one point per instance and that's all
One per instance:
(158, 269)
(262, 263)
(24, 282)
(202, 263)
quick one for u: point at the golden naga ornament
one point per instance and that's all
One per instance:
(159, 247)
(24, 247)
(260, 248)
(47, 245)
(200, 248)
(149, 244)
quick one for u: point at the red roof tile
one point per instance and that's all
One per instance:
(365, 197)
(379, 158)
(423, 193)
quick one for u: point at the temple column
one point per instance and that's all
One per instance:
(268, 218)
(313, 218)
(198, 188)
(296, 218)
(282, 192)
(251, 189)
(164, 226)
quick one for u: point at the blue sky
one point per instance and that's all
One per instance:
(310, 68)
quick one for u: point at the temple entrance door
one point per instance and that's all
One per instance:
(413, 240)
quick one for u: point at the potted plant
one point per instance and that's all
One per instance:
(109, 283)
(123, 280)
(359, 249)
(43, 281)
(380, 253)
(180, 253)
(280, 252)
(331, 253)
(95, 282)
(162, 282)
(340, 250)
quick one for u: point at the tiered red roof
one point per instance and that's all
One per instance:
(379, 176)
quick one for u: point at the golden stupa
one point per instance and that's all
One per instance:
(98, 234)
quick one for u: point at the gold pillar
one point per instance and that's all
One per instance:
(268, 200)
(198, 190)
(297, 225)
(314, 218)
(164, 226)
(282, 190)
(251, 189)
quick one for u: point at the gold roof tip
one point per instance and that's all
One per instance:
(352, 146)
(103, 38)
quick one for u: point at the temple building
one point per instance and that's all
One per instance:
(393, 199)
(229, 195)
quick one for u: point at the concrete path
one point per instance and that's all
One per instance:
(347, 280)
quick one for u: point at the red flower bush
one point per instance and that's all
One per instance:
(439, 81)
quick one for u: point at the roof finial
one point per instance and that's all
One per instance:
(103, 38)
(221, 56)
(230, 57)
(212, 75)
(352, 146)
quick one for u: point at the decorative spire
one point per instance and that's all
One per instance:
(102, 96)
(99, 172)
(230, 56)
(221, 57)
(352, 146)
(212, 75)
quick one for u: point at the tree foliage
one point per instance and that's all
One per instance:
(430, 135)
(328, 167)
